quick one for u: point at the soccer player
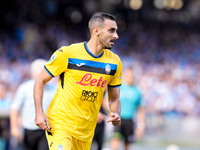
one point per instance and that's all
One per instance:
(131, 108)
(85, 70)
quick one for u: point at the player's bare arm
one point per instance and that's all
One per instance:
(40, 119)
(140, 123)
(15, 131)
(114, 105)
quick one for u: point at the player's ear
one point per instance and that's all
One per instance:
(96, 31)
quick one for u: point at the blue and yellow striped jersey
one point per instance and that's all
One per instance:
(83, 80)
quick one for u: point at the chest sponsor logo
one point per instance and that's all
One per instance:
(88, 80)
(89, 96)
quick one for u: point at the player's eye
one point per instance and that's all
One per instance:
(112, 30)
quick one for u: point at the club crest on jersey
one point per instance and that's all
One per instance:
(108, 69)
(52, 58)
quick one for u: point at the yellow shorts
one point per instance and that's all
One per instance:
(62, 140)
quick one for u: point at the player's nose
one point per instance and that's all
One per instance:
(115, 36)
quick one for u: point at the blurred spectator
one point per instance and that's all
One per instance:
(4, 117)
(23, 107)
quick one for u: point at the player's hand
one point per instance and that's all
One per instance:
(42, 121)
(15, 132)
(115, 119)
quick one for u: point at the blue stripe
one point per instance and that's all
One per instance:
(48, 72)
(87, 49)
(91, 63)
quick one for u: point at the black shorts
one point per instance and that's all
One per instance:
(35, 140)
(125, 130)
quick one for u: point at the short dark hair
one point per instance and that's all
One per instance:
(100, 17)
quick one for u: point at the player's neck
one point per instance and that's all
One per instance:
(94, 47)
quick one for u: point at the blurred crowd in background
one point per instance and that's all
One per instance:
(164, 55)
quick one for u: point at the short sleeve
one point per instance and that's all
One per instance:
(117, 79)
(18, 99)
(57, 64)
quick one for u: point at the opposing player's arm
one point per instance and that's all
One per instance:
(40, 119)
(114, 105)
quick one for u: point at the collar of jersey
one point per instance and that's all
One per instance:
(85, 44)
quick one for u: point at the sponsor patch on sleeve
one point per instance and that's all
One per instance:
(52, 58)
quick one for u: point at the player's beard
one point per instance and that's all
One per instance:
(106, 43)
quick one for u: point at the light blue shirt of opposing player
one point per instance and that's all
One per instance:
(24, 102)
(130, 97)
